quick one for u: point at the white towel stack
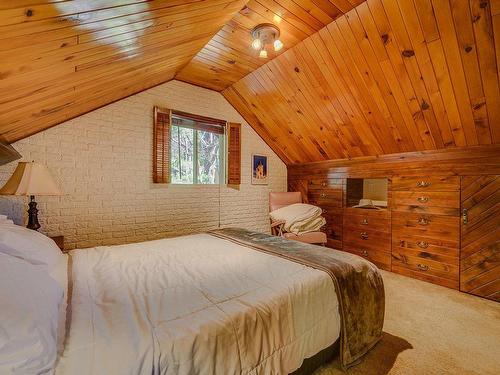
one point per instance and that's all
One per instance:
(299, 218)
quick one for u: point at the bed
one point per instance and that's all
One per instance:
(226, 302)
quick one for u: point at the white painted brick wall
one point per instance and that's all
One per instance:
(103, 163)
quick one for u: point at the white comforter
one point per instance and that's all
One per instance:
(194, 305)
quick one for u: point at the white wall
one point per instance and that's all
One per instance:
(103, 163)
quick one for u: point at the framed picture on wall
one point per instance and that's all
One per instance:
(260, 170)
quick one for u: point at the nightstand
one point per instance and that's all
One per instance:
(59, 240)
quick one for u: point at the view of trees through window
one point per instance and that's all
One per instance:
(196, 156)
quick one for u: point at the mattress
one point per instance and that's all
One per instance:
(196, 304)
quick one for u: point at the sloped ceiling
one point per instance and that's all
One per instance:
(60, 59)
(388, 76)
(227, 57)
(358, 78)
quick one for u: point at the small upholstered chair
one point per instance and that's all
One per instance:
(279, 200)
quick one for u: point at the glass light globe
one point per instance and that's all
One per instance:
(278, 44)
(263, 54)
(256, 44)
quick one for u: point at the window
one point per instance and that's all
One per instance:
(191, 149)
(197, 149)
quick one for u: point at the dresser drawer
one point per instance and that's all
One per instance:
(333, 212)
(333, 227)
(407, 271)
(325, 192)
(438, 254)
(381, 259)
(362, 222)
(369, 239)
(366, 235)
(333, 230)
(318, 184)
(443, 247)
(334, 244)
(421, 224)
(416, 266)
(439, 203)
(426, 183)
(368, 212)
(325, 197)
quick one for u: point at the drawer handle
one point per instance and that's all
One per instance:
(323, 184)
(364, 222)
(364, 235)
(423, 199)
(323, 195)
(423, 184)
(325, 210)
(424, 221)
(364, 253)
(422, 267)
(423, 244)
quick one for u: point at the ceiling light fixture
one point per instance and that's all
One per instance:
(263, 35)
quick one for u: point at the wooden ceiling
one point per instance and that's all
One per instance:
(227, 57)
(389, 76)
(60, 59)
(355, 78)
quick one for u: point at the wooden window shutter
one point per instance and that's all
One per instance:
(161, 145)
(234, 154)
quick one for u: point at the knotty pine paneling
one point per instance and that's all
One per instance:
(228, 56)
(61, 59)
(389, 76)
(478, 160)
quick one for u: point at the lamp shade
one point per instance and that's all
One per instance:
(30, 179)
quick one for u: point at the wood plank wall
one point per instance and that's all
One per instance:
(479, 160)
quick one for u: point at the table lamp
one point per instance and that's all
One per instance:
(31, 179)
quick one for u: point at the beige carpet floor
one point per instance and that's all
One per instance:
(431, 330)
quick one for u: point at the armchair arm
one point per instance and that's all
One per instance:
(276, 223)
(277, 227)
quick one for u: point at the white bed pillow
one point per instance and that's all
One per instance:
(29, 245)
(29, 300)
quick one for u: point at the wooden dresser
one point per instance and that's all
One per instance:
(426, 228)
(367, 232)
(328, 194)
(442, 224)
